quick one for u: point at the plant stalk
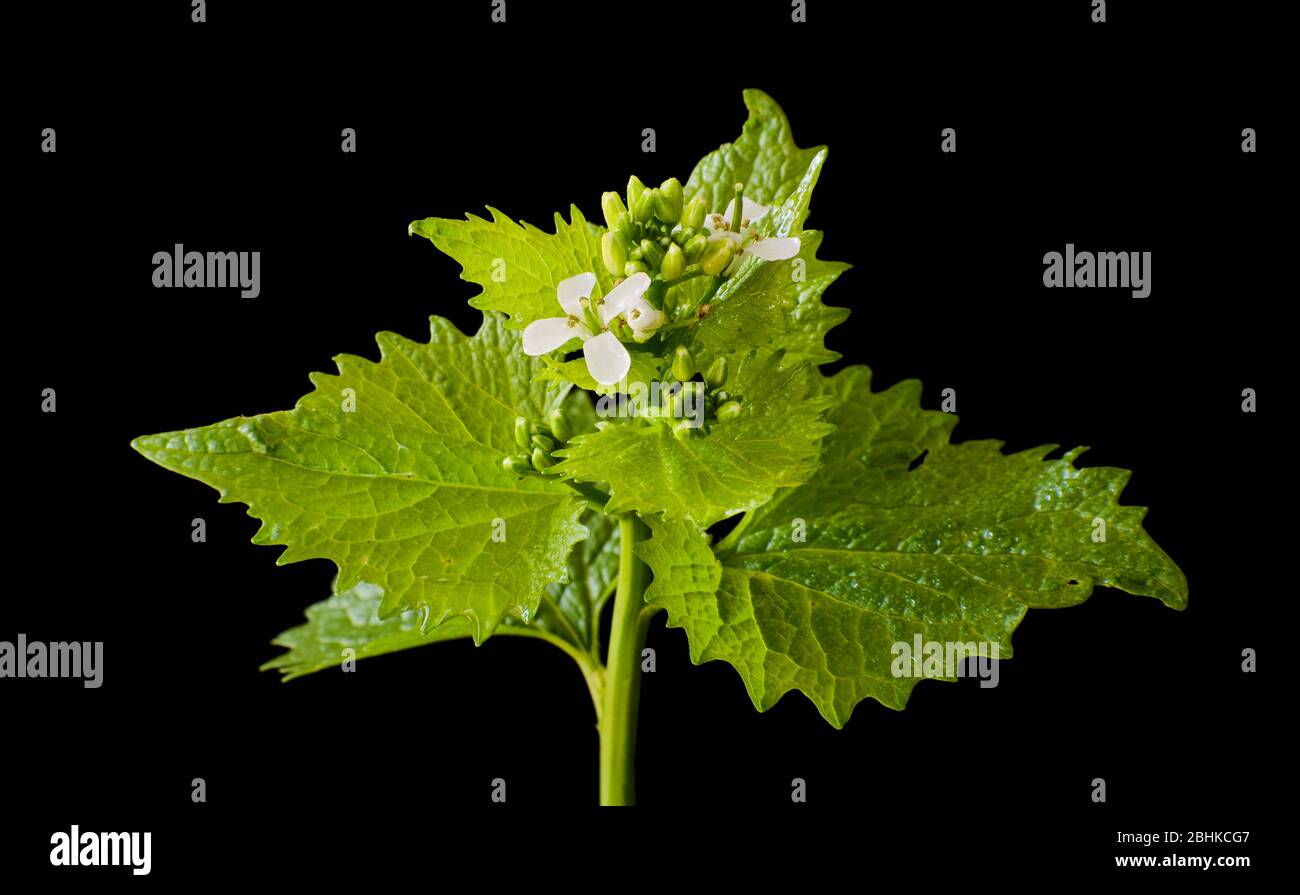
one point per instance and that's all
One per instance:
(623, 670)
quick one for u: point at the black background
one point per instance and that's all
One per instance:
(225, 136)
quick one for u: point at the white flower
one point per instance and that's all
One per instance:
(643, 317)
(771, 248)
(607, 359)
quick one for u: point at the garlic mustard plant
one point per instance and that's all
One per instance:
(474, 486)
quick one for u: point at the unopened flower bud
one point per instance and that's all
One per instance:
(729, 411)
(693, 213)
(634, 267)
(674, 262)
(651, 254)
(542, 460)
(560, 427)
(716, 375)
(683, 363)
(671, 192)
(682, 429)
(523, 431)
(545, 442)
(611, 205)
(695, 247)
(644, 209)
(613, 250)
(717, 256)
(634, 190)
(519, 464)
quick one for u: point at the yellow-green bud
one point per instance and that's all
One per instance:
(541, 459)
(519, 464)
(695, 247)
(644, 208)
(545, 442)
(694, 212)
(674, 262)
(612, 205)
(682, 429)
(683, 363)
(716, 375)
(729, 411)
(634, 190)
(664, 209)
(717, 255)
(560, 425)
(522, 431)
(634, 267)
(651, 254)
(671, 190)
(613, 251)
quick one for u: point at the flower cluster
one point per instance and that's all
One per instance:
(709, 393)
(654, 242)
(536, 442)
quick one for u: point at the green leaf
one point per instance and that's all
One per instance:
(518, 265)
(724, 469)
(764, 158)
(812, 590)
(404, 491)
(351, 620)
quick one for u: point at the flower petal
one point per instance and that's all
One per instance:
(622, 296)
(749, 211)
(545, 335)
(774, 248)
(607, 359)
(570, 292)
(644, 318)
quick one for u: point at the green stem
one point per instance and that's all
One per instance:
(655, 294)
(709, 292)
(688, 274)
(623, 671)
